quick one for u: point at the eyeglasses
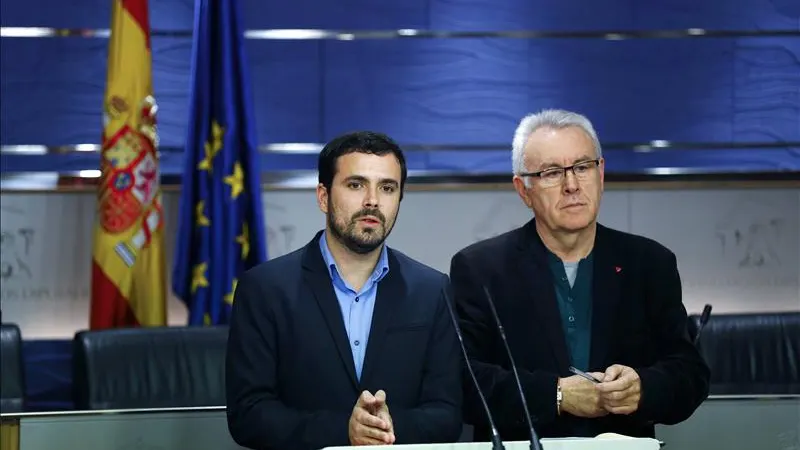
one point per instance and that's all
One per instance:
(556, 175)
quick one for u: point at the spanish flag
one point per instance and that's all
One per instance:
(128, 267)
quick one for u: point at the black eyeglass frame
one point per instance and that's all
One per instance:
(563, 170)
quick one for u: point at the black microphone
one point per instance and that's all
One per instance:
(535, 444)
(703, 321)
(497, 443)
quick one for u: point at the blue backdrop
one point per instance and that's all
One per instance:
(438, 91)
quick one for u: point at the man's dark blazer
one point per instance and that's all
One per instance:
(638, 320)
(290, 376)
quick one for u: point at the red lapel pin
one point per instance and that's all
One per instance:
(617, 269)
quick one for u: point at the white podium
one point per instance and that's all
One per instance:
(598, 443)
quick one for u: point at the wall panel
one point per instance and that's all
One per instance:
(737, 248)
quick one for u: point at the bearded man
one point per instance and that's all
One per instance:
(345, 341)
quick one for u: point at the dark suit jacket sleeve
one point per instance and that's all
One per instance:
(678, 382)
(438, 416)
(498, 384)
(256, 416)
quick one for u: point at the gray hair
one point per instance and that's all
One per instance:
(548, 118)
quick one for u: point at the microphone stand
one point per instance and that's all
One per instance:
(535, 444)
(497, 443)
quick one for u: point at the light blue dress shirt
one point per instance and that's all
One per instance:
(356, 307)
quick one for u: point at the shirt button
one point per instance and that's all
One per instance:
(357, 342)
(569, 299)
(356, 299)
(572, 318)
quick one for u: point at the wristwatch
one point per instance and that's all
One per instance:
(559, 396)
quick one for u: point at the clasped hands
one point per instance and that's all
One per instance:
(370, 422)
(618, 392)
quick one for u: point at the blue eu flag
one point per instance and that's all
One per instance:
(220, 229)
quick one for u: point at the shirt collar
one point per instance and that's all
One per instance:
(381, 268)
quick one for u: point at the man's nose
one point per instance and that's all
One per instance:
(570, 181)
(371, 198)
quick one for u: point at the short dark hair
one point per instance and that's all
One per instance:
(358, 142)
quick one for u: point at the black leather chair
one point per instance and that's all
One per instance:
(12, 383)
(752, 354)
(149, 367)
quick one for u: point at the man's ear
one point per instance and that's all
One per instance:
(322, 198)
(522, 190)
(602, 168)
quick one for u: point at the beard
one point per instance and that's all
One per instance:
(360, 241)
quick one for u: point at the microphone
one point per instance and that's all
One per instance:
(535, 444)
(703, 321)
(497, 443)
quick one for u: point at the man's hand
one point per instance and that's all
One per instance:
(370, 423)
(581, 397)
(620, 390)
(382, 412)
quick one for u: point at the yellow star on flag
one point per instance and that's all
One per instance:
(202, 220)
(229, 296)
(244, 240)
(212, 147)
(199, 277)
(236, 180)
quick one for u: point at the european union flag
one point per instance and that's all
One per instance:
(220, 229)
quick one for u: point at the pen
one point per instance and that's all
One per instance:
(583, 374)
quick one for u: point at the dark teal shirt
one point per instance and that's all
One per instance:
(575, 306)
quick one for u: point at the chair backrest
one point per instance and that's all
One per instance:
(12, 380)
(149, 367)
(752, 354)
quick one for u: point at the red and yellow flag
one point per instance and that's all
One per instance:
(128, 267)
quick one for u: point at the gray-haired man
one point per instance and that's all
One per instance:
(574, 294)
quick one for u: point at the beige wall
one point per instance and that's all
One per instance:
(738, 249)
